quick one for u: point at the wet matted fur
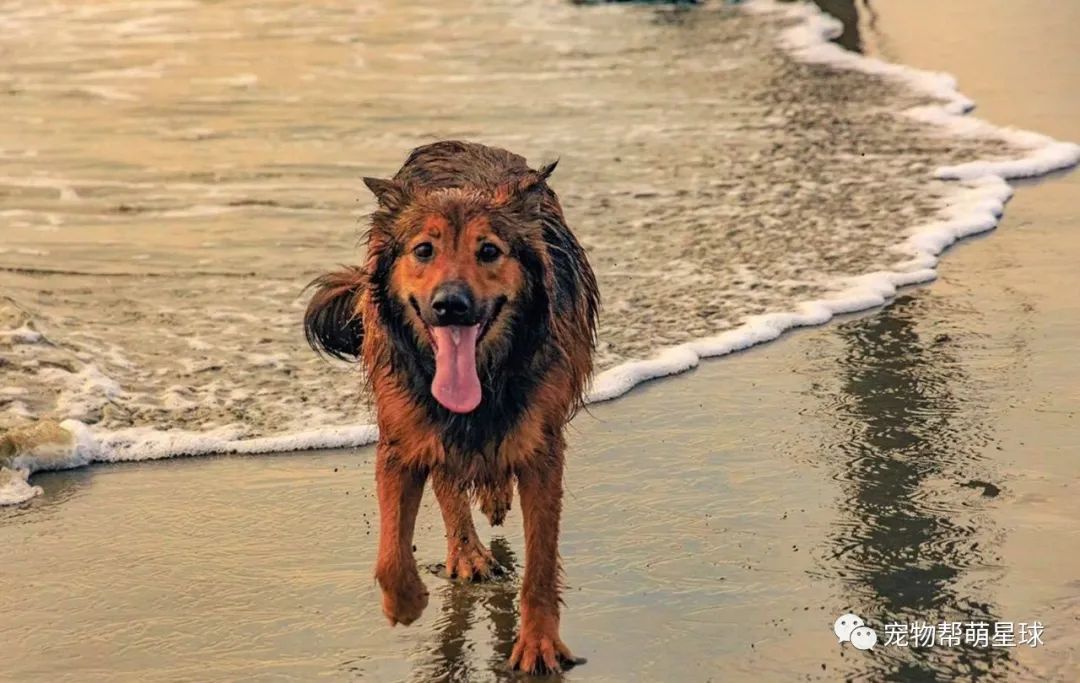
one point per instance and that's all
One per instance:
(476, 222)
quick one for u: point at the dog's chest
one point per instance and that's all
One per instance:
(476, 467)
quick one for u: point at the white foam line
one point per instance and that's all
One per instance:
(144, 443)
(976, 206)
(90, 445)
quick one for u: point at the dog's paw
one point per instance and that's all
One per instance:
(471, 561)
(404, 601)
(539, 652)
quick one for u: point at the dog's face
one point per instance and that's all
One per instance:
(474, 304)
(457, 277)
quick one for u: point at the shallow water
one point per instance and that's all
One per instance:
(172, 174)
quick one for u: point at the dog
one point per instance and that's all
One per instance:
(474, 316)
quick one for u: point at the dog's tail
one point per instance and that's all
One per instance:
(332, 323)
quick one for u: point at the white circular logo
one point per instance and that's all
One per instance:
(845, 624)
(863, 638)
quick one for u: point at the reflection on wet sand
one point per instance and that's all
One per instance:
(850, 13)
(910, 543)
(452, 657)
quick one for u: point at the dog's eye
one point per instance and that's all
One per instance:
(488, 252)
(423, 251)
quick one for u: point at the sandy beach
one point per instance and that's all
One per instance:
(911, 463)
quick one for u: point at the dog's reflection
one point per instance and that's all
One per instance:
(453, 655)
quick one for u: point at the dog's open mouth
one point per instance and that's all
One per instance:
(456, 385)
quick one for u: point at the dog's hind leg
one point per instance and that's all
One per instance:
(495, 501)
(400, 488)
(466, 556)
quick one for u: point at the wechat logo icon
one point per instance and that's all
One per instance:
(852, 629)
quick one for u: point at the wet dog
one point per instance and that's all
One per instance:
(475, 317)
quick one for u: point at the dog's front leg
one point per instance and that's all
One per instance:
(400, 488)
(538, 647)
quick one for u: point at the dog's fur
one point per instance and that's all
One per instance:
(534, 359)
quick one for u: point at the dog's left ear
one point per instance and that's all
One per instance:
(547, 169)
(520, 190)
(537, 177)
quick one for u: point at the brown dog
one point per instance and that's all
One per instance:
(475, 318)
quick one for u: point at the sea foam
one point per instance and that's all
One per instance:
(14, 487)
(47, 445)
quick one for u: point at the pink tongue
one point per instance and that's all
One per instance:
(456, 384)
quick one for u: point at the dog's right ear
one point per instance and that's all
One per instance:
(332, 323)
(389, 193)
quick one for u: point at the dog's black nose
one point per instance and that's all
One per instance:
(453, 304)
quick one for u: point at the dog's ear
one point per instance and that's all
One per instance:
(332, 325)
(520, 190)
(546, 170)
(389, 193)
(537, 178)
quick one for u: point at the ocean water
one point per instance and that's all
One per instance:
(173, 173)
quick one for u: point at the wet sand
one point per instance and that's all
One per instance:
(913, 463)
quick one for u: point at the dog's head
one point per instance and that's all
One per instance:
(461, 270)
